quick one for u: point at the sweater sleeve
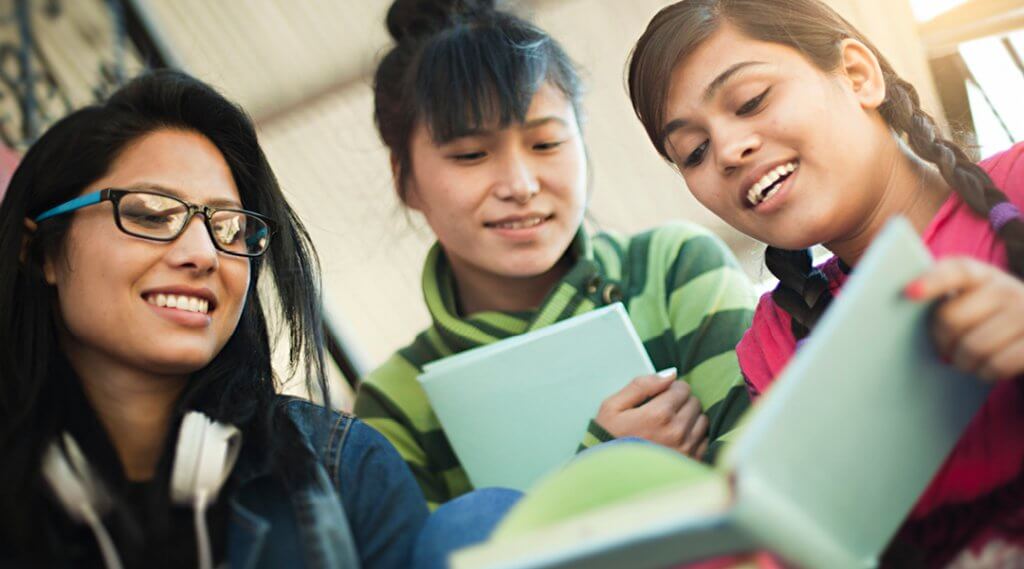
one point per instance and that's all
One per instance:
(710, 305)
(691, 303)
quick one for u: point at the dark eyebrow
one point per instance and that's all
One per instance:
(709, 92)
(173, 192)
(715, 85)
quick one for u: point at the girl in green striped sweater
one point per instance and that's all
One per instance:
(480, 110)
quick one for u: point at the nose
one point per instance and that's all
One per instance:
(736, 149)
(193, 250)
(517, 180)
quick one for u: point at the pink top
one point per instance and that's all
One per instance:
(990, 455)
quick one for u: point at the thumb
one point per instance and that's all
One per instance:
(642, 388)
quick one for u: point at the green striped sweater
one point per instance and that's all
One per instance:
(684, 292)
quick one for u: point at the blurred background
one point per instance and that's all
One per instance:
(303, 68)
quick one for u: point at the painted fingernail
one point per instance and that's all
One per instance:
(667, 372)
(914, 290)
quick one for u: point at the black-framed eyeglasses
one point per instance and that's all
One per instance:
(160, 217)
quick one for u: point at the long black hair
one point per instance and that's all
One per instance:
(816, 31)
(458, 65)
(238, 385)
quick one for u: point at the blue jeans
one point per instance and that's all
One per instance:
(464, 521)
(470, 518)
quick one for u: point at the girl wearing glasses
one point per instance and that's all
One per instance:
(481, 112)
(139, 424)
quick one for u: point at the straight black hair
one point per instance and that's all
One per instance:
(459, 66)
(238, 386)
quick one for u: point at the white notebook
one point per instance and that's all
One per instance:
(517, 409)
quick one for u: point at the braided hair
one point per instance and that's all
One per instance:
(816, 31)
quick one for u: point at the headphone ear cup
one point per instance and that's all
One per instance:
(186, 453)
(205, 454)
(80, 491)
(73, 482)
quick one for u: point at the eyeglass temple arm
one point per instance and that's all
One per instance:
(72, 205)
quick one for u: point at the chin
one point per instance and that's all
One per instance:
(533, 266)
(792, 239)
(180, 361)
(795, 243)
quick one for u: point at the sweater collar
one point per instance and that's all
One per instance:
(570, 296)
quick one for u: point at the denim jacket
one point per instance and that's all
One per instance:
(374, 524)
(361, 506)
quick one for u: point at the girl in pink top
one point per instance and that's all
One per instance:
(789, 124)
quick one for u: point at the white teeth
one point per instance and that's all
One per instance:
(519, 224)
(754, 196)
(181, 302)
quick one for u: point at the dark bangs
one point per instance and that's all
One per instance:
(476, 76)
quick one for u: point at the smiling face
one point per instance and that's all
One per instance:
(504, 202)
(779, 149)
(160, 308)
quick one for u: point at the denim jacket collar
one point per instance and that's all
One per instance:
(324, 537)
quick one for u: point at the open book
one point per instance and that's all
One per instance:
(516, 409)
(827, 466)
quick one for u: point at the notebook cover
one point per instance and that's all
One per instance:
(516, 409)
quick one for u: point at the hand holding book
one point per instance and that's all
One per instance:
(979, 323)
(659, 409)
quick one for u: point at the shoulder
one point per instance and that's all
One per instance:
(1007, 171)
(380, 497)
(320, 428)
(695, 263)
(672, 248)
(664, 239)
(339, 439)
(397, 371)
(669, 238)
(391, 388)
(690, 248)
(767, 345)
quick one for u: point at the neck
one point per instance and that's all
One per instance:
(911, 188)
(480, 291)
(134, 407)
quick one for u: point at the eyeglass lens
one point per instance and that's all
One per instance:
(162, 217)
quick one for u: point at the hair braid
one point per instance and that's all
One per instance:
(902, 110)
(815, 30)
(803, 290)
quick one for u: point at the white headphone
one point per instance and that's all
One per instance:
(205, 454)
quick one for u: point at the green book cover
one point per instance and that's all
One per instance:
(828, 465)
(516, 409)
